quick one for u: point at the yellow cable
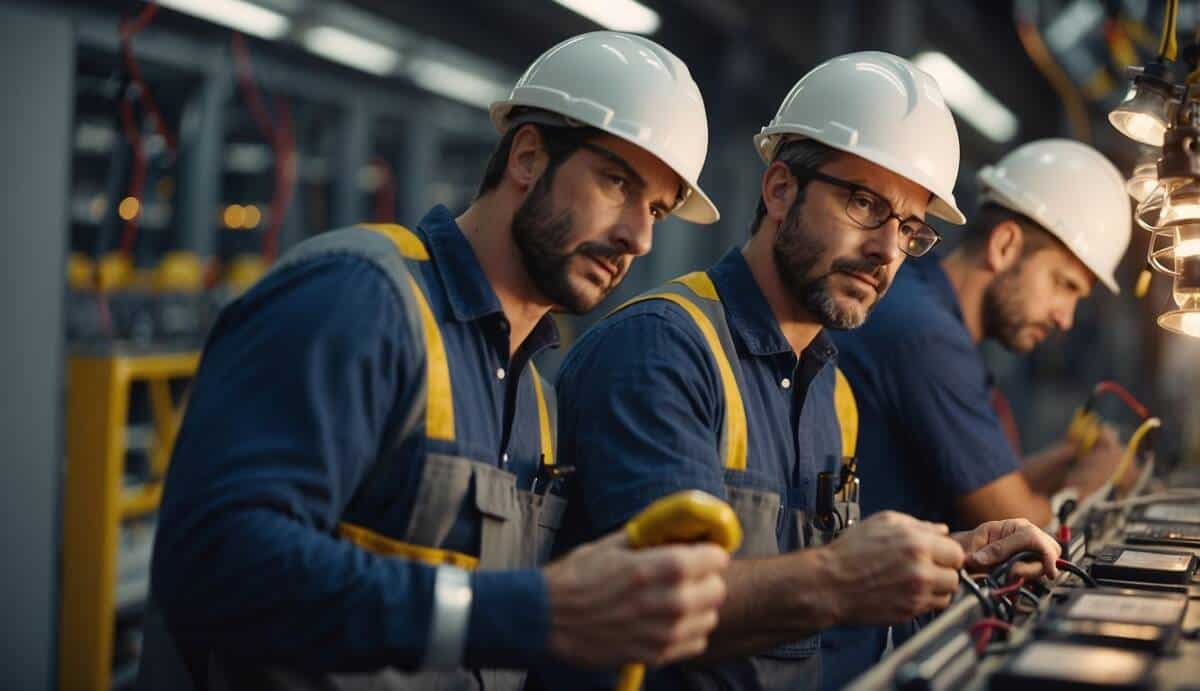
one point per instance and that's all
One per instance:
(1040, 55)
(1143, 283)
(1167, 47)
(1131, 448)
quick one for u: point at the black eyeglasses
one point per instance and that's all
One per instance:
(871, 211)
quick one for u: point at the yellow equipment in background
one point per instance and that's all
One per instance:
(96, 501)
(684, 517)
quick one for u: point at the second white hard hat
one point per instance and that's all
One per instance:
(882, 108)
(1071, 190)
(629, 87)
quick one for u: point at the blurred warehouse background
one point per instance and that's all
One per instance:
(159, 157)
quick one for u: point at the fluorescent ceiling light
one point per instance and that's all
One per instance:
(349, 49)
(618, 15)
(455, 82)
(236, 14)
(967, 98)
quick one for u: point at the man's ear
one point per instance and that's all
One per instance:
(779, 191)
(1004, 246)
(527, 157)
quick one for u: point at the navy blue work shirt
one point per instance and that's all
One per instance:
(641, 411)
(302, 384)
(927, 431)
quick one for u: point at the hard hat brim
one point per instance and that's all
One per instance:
(943, 207)
(697, 208)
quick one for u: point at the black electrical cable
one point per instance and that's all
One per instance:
(1000, 573)
(984, 601)
(1078, 571)
(1031, 596)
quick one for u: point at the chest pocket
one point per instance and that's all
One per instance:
(767, 517)
(517, 527)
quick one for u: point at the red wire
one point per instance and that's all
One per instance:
(128, 31)
(986, 626)
(1010, 588)
(137, 175)
(1114, 388)
(282, 144)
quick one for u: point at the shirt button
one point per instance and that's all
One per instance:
(500, 373)
(785, 383)
(503, 459)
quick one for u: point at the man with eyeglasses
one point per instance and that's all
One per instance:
(724, 380)
(1054, 220)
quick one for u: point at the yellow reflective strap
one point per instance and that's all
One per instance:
(378, 544)
(700, 284)
(439, 398)
(847, 412)
(543, 419)
(735, 411)
(406, 241)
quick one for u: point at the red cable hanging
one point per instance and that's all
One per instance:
(1121, 392)
(281, 139)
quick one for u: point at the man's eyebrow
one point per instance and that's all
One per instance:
(619, 161)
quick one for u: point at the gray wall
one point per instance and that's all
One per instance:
(36, 68)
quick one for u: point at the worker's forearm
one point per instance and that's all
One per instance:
(773, 600)
(1046, 470)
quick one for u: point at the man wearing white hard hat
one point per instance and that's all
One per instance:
(364, 491)
(1054, 220)
(725, 381)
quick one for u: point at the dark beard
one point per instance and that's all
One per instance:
(1003, 316)
(796, 252)
(541, 235)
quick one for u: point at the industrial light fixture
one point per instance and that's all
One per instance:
(1162, 112)
(453, 82)
(968, 98)
(351, 50)
(1186, 292)
(1142, 116)
(243, 16)
(617, 15)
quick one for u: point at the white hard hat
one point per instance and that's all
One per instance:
(629, 87)
(882, 108)
(1071, 190)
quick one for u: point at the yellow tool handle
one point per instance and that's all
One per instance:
(1084, 430)
(689, 516)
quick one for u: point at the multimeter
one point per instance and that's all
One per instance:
(1183, 534)
(1119, 563)
(1054, 665)
(1167, 513)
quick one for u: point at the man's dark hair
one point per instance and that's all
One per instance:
(798, 153)
(560, 142)
(975, 238)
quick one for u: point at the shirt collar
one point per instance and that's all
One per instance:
(750, 316)
(467, 288)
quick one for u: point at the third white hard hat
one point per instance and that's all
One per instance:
(880, 107)
(1071, 190)
(630, 87)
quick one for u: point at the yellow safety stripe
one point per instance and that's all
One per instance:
(408, 242)
(700, 284)
(846, 409)
(543, 419)
(735, 411)
(385, 546)
(439, 398)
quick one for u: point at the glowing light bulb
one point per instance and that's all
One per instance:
(1142, 116)
(1190, 324)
